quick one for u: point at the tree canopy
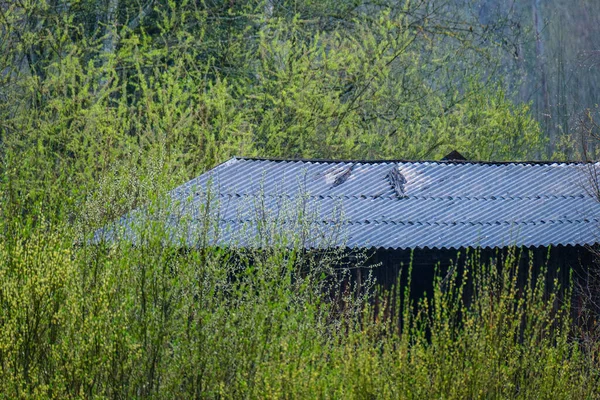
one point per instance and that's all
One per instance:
(105, 90)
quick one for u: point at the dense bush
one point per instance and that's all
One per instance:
(116, 320)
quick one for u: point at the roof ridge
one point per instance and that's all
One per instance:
(383, 161)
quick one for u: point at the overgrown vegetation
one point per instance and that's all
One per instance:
(91, 94)
(152, 321)
(104, 105)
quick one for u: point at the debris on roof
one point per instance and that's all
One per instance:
(343, 175)
(397, 180)
(444, 204)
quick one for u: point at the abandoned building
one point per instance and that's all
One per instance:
(419, 212)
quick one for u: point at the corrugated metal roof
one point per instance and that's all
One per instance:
(446, 204)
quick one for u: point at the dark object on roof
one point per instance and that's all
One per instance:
(445, 204)
(454, 156)
(397, 180)
(343, 176)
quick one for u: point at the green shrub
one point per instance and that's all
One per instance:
(154, 321)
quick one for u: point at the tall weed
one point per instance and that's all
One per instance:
(149, 320)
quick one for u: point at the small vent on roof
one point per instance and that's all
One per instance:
(454, 156)
(397, 181)
(343, 176)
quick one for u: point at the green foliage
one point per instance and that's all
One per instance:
(187, 85)
(149, 321)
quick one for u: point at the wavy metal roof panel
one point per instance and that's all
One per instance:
(446, 204)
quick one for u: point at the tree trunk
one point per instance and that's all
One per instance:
(541, 69)
(109, 43)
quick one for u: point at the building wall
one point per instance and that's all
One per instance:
(390, 267)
